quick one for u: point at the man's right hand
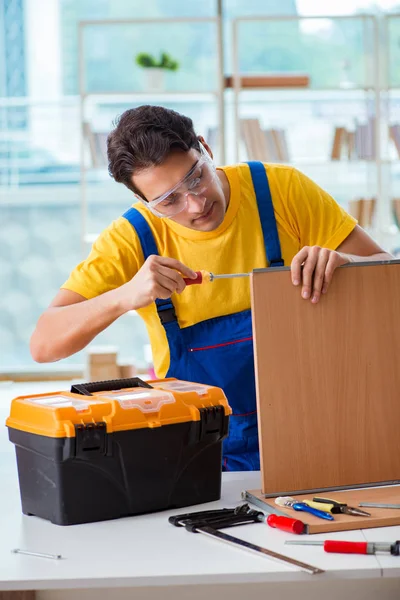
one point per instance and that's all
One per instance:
(159, 277)
(71, 322)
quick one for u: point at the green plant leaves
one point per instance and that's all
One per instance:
(148, 61)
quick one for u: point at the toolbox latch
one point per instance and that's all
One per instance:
(212, 423)
(90, 439)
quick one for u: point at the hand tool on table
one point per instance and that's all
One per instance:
(286, 524)
(352, 547)
(207, 277)
(238, 516)
(378, 505)
(37, 554)
(340, 507)
(274, 518)
(302, 506)
(209, 522)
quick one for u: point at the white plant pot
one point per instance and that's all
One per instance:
(154, 79)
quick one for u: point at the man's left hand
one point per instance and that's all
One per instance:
(319, 264)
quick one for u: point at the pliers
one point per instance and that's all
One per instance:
(335, 507)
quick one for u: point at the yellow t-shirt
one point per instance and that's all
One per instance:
(305, 215)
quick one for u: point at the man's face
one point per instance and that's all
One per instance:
(196, 199)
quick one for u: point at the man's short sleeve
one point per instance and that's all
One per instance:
(115, 257)
(317, 218)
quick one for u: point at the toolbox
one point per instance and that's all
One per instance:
(112, 449)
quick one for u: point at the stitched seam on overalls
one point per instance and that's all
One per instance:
(253, 412)
(247, 339)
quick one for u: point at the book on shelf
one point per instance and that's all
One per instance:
(338, 143)
(101, 146)
(365, 140)
(396, 211)
(350, 144)
(97, 143)
(280, 147)
(363, 209)
(394, 134)
(212, 138)
(358, 144)
(269, 145)
(270, 154)
(254, 139)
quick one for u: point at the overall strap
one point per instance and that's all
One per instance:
(165, 308)
(267, 215)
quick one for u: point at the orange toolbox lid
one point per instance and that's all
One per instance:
(167, 402)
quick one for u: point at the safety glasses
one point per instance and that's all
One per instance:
(195, 183)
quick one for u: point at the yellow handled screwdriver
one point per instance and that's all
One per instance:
(207, 277)
(319, 506)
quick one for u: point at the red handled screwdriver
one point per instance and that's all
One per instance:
(285, 523)
(352, 547)
(207, 277)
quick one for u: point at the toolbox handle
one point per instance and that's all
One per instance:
(87, 389)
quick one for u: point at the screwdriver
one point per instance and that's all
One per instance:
(207, 277)
(352, 547)
(302, 506)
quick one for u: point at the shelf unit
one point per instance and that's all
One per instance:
(274, 105)
(215, 95)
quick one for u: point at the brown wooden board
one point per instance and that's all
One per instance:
(328, 380)
(17, 595)
(380, 517)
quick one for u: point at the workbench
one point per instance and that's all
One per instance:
(147, 558)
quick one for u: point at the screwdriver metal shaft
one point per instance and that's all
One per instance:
(38, 554)
(207, 277)
(228, 276)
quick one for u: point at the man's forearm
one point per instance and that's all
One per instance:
(64, 330)
(353, 258)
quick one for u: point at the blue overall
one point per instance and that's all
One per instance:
(219, 351)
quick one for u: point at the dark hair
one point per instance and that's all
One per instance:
(144, 137)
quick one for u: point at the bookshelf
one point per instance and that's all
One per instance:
(331, 132)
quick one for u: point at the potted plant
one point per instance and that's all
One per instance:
(155, 69)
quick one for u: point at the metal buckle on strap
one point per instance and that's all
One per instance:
(276, 261)
(167, 315)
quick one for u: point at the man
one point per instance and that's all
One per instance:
(192, 216)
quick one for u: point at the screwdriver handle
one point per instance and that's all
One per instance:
(320, 506)
(285, 524)
(346, 547)
(202, 277)
(313, 511)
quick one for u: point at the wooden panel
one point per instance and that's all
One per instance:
(380, 517)
(17, 595)
(328, 379)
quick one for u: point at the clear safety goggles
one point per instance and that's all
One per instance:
(195, 183)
